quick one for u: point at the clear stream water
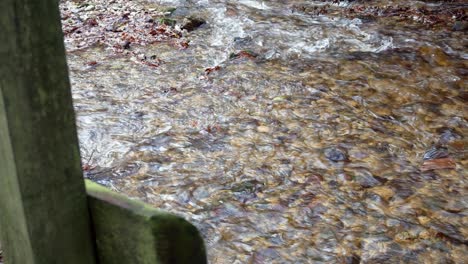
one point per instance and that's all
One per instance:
(329, 140)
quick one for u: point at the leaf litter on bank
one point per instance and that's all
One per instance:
(118, 26)
(449, 15)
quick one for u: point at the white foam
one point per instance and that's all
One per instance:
(255, 4)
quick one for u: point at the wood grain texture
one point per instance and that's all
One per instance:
(129, 231)
(44, 216)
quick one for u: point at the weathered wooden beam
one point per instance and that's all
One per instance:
(43, 206)
(129, 231)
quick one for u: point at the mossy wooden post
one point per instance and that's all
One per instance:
(129, 231)
(43, 210)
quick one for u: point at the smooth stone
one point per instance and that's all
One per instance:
(263, 129)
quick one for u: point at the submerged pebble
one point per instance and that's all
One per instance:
(436, 153)
(335, 154)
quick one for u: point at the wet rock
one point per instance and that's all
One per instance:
(316, 210)
(211, 234)
(248, 186)
(283, 171)
(423, 220)
(202, 192)
(131, 169)
(333, 184)
(366, 180)
(354, 259)
(335, 154)
(436, 153)
(379, 250)
(138, 114)
(180, 11)
(435, 56)
(141, 56)
(192, 23)
(448, 135)
(403, 188)
(460, 26)
(263, 129)
(404, 237)
(238, 41)
(265, 255)
(126, 44)
(449, 232)
(89, 8)
(170, 10)
(344, 177)
(111, 28)
(381, 179)
(118, 25)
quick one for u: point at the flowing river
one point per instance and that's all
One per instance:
(286, 131)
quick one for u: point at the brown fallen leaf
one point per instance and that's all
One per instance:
(437, 164)
(87, 167)
(92, 22)
(92, 63)
(246, 54)
(243, 54)
(183, 44)
(210, 70)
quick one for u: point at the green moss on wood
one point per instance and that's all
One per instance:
(130, 231)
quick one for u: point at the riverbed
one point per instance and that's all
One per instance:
(286, 131)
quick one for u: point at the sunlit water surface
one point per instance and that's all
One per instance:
(315, 147)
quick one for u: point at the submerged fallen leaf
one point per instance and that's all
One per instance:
(210, 70)
(243, 54)
(87, 167)
(92, 63)
(92, 22)
(183, 44)
(437, 164)
(151, 64)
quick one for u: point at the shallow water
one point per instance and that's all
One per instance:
(318, 139)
